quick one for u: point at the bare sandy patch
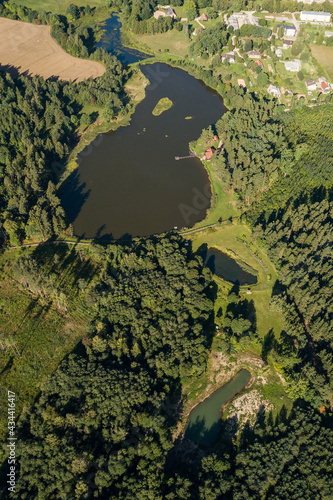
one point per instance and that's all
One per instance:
(30, 49)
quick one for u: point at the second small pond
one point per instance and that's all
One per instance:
(205, 419)
(227, 268)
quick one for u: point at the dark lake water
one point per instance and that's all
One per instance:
(111, 42)
(227, 268)
(205, 419)
(129, 183)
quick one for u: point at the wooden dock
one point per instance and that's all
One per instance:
(191, 155)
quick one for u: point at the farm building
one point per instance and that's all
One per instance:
(293, 65)
(310, 84)
(288, 30)
(319, 17)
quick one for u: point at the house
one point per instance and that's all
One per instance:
(288, 30)
(209, 153)
(279, 52)
(216, 137)
(273, 90)
(253, 54)
(287, 44)
(204, 17)
(259, 63)
(233, 21)
(324, 88)
(310, 84)
(293, 65)
(241, 82)
(228, 57)
(170, 12)
(319, 17)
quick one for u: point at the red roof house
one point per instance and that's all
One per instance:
(216, 137)
(259, 63)
(209, 153)
(324, 87)
(204, 17)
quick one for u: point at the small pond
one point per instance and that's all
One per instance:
(111, 42)
(205, 419)
(227, 268)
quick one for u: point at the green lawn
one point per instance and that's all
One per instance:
(228, 239)
(59, 7)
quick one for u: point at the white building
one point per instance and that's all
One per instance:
(288, 30)
(309, 2)
(233, 21)
(273, 90)
(279, 52)
(319, 17)
(328, 34)
(293, 65)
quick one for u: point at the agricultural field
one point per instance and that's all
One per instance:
(324, 56)
(30, 49)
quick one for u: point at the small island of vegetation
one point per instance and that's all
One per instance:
(163, 105)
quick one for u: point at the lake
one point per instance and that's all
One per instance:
(111, 42)
(205, 420)
(128, 182)
(226, 267)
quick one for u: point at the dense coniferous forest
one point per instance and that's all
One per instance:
(104, 420)
(37, 128)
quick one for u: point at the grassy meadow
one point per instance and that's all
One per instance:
(59, 7)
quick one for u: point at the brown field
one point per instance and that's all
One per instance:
(30, 49)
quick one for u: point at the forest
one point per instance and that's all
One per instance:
(102, 425)
(38, 127)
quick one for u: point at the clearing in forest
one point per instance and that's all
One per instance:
(30, 49)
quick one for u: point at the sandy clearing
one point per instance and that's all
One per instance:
(30, 49)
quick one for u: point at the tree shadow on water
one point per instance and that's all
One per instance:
(73, 195)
